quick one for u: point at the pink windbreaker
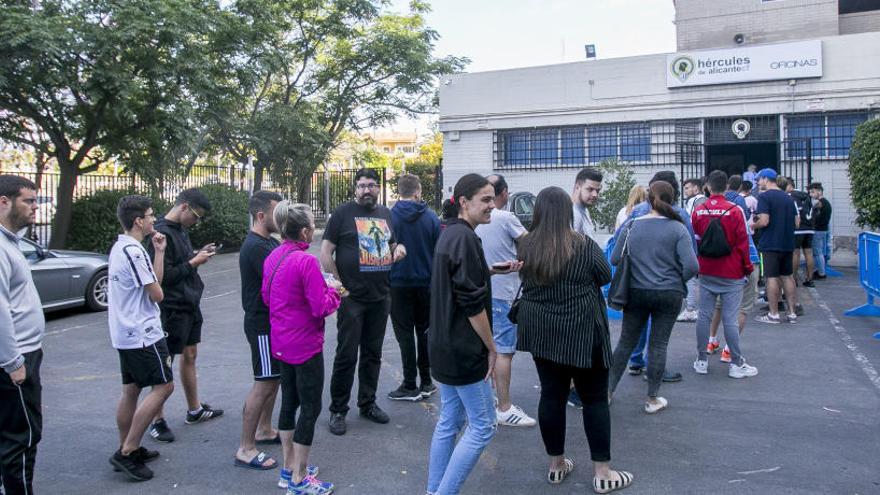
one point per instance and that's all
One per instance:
(298, 301)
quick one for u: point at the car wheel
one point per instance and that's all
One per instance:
(96, 292)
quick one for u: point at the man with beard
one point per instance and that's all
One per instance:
(21, 335)
(256, 420)
(358, 249)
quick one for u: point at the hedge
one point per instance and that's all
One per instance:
(864, 174)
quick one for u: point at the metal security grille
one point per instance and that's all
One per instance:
(635, 143)
(761, 128)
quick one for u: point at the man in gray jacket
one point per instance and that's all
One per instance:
(21, 336)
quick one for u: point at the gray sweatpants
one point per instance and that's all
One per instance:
(731, 292)
(693, 287)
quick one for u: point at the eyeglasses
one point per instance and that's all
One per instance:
(198, 217)
(364, 187)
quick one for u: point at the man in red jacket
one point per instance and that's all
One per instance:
(724, 270)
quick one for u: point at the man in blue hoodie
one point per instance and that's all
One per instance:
(418, 228)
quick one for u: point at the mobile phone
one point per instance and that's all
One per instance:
(501, 265)
(218, 247)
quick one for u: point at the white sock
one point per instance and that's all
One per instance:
(196, 411)
(713, 340)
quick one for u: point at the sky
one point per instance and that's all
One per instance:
(504, 34)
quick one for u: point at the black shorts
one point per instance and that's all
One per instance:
(776, 264)
(256, 329)
(803, 241)
(182, 328)
(146, 366)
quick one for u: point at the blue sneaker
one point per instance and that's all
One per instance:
(284, 480)
(574, 400)
(310, 486)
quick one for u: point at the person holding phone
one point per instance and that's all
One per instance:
(460, 343)
(181, 316)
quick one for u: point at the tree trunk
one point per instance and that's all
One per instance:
(304, 189)
(64, 208)
(258, 176)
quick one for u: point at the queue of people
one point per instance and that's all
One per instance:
(464, 294)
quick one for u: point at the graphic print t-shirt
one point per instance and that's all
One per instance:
(363, 240)
(133, 318)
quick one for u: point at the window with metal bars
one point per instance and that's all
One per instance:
(829, 135)
(568, 147)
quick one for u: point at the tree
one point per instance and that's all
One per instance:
(97, 76)
(864, 178)
(344, 63)
(617, 180)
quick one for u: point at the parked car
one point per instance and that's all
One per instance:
(67, 279)
(522, 204)
(45, 210)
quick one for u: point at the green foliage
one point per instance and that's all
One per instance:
(95, 225)
(617, 180)
(864, 174)
(228, 221)
(427, 174)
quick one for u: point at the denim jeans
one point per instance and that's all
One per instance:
(820, 250)
(637, 358)
(450, 464)
(662, 307)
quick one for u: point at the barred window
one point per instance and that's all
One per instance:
(569, 147)
(828, 136)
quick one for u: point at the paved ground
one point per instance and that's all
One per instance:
(808, 424)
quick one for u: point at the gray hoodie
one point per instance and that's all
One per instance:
(21, 313)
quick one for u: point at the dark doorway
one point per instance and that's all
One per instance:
(734, 158)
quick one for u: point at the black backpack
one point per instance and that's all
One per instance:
(713, 243)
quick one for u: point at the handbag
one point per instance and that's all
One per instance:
(513, 314)
(618, 293)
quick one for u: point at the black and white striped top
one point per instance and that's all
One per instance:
(563, 322)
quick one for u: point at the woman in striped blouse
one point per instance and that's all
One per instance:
(563, 323)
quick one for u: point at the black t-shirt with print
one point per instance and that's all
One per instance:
(363, 239)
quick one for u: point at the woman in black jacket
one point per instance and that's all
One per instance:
(563, 323)
(460, 344)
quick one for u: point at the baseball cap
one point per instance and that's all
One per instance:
(767, 173)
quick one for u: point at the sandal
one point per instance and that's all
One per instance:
(624, 479)
(258, 462)
(555, 476)
(655, 408)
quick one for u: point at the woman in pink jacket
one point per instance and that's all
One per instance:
(298, 299)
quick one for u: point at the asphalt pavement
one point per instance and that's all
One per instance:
(809, 423)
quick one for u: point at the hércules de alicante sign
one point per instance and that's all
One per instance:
(795, 60)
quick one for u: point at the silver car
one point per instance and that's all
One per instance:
(67, 279)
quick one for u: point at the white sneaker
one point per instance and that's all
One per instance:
(514, 416)
(743, 371)
(701, 367)
(687, 316)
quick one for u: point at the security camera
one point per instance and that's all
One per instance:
(739, 38)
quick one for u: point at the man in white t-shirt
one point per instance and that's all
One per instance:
(499, 238)
(136, 332)
(587, 186)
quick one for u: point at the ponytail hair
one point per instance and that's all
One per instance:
(291, 218)
(661, 195)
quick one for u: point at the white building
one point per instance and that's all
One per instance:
(779, 84)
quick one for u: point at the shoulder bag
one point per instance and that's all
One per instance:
(618, 292)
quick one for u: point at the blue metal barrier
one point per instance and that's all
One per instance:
(869, 275)
(613, 314)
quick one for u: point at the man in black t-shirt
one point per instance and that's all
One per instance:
(257, 416)
(359, 234)
(822, 237)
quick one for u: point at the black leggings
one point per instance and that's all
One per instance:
(592, 386)
(301, 388)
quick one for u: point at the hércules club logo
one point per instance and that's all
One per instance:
(682, 67)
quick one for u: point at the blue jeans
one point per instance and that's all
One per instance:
(503, 330)
(820, 250)
(450, 464)
(637, 358)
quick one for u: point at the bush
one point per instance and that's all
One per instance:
(617, 180)
(228, 221)
(93, 222)
(864, 174)
(427, 174)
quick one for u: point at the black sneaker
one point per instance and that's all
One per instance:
(669, 376)
(204, 414)
(375, 414)
(819, 277)
(427, 389)
(635, 370)
(132, 465)
(798, 310)
(403, 393)
(809, 283)
(337, 424)
(144, 454)
(160, 432)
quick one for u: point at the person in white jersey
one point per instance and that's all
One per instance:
(499, 238)
(135, 289)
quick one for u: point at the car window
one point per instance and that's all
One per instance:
(525, 205)
(29, 250)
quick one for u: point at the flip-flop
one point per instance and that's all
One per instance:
(257, 462)
(270, 441)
